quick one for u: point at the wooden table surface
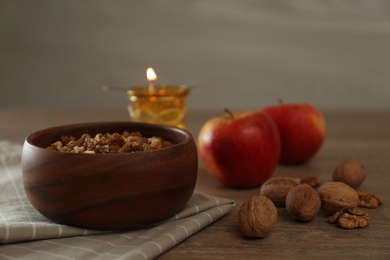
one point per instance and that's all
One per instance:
(362, 135)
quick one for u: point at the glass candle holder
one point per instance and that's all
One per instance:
(159, 104)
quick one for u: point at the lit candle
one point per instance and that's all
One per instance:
(158, 103)
(152, 77)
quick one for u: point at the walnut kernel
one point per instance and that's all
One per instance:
(368, 200)
(350, 218)
(303, 202)
(257, 217)
(337, 196)
(276, 189)
(312, 181)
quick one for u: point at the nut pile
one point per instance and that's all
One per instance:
(128, 142)
(304, 198)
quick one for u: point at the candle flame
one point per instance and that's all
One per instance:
(150, 75)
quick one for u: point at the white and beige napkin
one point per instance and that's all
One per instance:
(25, 233)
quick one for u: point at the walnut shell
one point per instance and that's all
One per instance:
(276, 189)
(350, 171)
(337, 196)
(257, 217)
(303, 202)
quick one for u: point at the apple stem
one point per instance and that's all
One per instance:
(280, 101)
(229, 112)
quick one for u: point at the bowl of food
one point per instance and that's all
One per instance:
(109, 175)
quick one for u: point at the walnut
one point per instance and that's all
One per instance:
(337, 196)
(257, 217)
(350, 218)
(303, 202)
(368, 200)
(276, 189)
(351, 172)
(312, 181)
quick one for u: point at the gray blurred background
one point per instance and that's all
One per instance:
(243, 54)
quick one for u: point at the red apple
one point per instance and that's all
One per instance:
(302, 130)
(240, 149)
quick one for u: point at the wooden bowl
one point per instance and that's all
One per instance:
(109, 191)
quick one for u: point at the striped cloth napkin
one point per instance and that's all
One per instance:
(37, 237)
